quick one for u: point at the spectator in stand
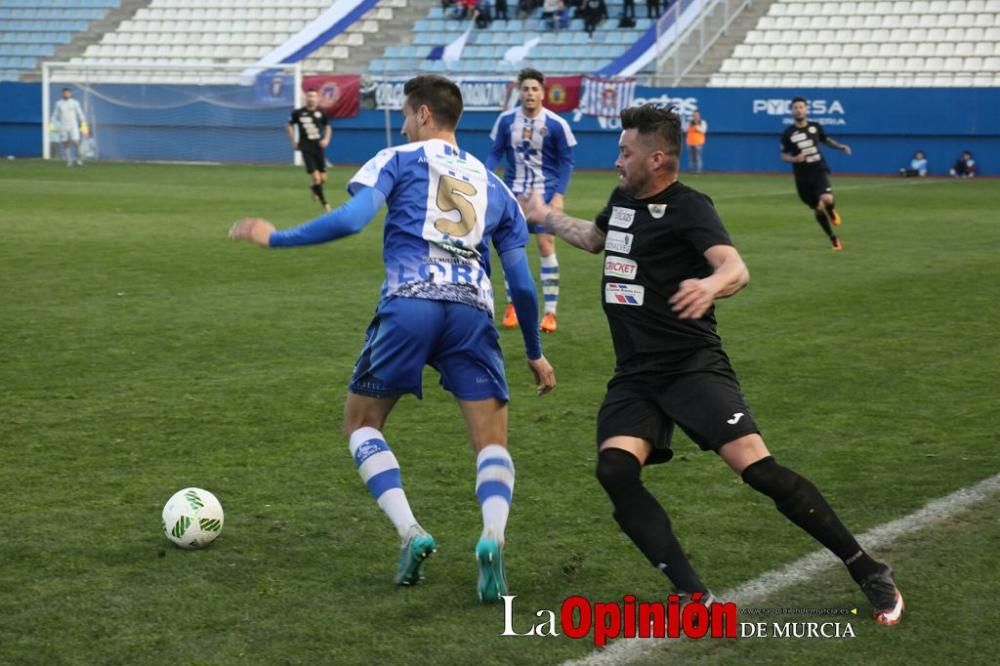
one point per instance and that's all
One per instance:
(964, 166)
(482, 14)
(628, 9)
(501, 10)
(593, 12)
(554, 14)
(652, 9)
(918, 166)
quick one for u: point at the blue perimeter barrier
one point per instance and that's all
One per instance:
(883, 126)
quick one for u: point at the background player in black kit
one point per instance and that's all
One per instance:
(311, 139)
(667, 259)
(800, 147)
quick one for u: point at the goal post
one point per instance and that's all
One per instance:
(177, 113)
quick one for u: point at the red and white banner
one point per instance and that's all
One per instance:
(606, 97)
(339, 94)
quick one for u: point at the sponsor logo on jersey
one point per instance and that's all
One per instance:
(618, 241)
(621, 217)
(657, 210)
(624, 294)
(621, 267)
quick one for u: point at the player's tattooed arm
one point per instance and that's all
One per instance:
(581, 233)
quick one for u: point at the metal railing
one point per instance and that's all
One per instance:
(686, 35)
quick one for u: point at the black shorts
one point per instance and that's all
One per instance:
(314, 159)
(811, 185)
(708, 405)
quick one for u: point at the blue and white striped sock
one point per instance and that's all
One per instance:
(379, 469)
(550, 282)
(494, 488)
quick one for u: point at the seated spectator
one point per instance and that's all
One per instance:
(464, 9)
(918, 166)
(593, 12)
(554, 14)
(482, 14)
(964, 166)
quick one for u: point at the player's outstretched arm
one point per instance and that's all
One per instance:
(581, 233)
(843, 147)
(348, 219)
(694, 297)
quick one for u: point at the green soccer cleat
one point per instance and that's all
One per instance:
(492, 577)
(418, 547)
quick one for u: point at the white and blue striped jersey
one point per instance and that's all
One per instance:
(537, 152)
(444, 208)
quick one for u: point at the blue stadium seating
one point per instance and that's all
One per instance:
(566, 51)
(31, 30)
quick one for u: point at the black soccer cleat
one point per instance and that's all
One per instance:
(886, 601)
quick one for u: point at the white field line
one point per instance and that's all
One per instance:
(625, 651)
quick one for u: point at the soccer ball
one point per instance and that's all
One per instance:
(192, 518)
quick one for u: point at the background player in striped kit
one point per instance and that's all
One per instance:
(536, 147)
(436, 308)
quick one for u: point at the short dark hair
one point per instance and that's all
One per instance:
(309, 90)
(659, 123)
(530, 73)
(440, 95)
(66, 90)
(800, 99)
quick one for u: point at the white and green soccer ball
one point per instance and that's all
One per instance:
(192, 518)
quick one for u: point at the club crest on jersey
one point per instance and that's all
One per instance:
(618, 241)
(657, 210)
(624, 294)
(621, 217)
(542, 131)
(811, 130)
(622, 268)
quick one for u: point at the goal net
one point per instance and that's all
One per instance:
(176, 113)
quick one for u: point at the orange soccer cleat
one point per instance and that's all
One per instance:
(549, 323)
(510, 317)
(837, 245)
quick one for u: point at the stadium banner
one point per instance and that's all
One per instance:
(479, 94)
(562, 93)
(883, 126)
(274, 88)
(339, 94)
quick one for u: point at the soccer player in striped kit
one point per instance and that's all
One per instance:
(536, 148)
(436, 308)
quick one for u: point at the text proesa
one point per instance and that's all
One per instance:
(629, 618)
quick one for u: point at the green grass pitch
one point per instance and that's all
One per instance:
(143, 352)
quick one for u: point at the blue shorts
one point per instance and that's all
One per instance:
(457, 340)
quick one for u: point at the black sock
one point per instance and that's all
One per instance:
(318, 191)
(802, 503)
(829, 210)
(824, 222)
(643, 519)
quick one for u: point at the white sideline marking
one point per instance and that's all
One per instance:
(624, 651)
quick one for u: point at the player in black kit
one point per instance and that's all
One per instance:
(667, 258)
(800, 147)
(312, 138)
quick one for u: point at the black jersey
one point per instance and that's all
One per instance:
(312, 125)
(805, 140)
(651, 246)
